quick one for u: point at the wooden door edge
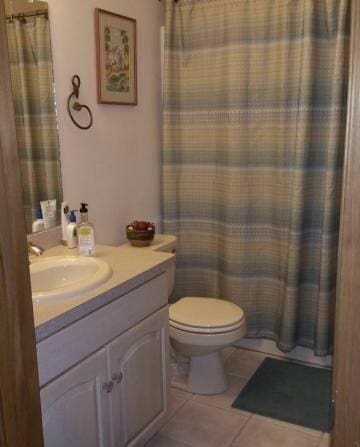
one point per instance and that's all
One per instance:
(19, 390)
(346, 396)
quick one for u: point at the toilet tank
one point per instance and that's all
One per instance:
(166, 243)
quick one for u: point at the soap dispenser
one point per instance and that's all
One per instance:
(71, 231)
(86, 233)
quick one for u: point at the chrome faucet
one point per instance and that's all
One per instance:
(35, 249)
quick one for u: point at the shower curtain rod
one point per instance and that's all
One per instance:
(24, 15)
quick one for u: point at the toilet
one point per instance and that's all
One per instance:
(200, 328)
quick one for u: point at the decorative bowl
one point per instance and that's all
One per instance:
(140, 233)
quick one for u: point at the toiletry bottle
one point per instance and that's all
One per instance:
(48, 208)
(85, 231)
(71, 231)
(64, 222)
(38, 224)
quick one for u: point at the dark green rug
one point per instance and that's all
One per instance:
(290, 392)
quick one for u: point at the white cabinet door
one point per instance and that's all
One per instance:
(138, 363)
(75, 407)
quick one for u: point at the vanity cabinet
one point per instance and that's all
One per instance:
(118, 395)
(75, 408)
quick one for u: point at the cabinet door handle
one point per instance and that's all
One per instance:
(117, 377)
(108, 386)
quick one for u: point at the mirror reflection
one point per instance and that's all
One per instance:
(33, 86)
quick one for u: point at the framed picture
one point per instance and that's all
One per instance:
(116, 58)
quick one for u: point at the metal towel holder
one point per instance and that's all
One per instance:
(76, 82)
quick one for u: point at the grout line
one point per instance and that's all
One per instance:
(167, 436)
(223, 409)
(174, 414)
(231, 410)
(237, 436)
(239, 376)
(289, 426)
(247, 417)
(225, 358)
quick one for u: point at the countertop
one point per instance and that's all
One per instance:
(131, 268)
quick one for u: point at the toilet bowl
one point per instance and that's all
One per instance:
(200, 328)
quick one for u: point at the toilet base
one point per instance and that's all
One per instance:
(207, 374)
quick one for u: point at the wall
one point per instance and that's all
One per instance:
(115, 166)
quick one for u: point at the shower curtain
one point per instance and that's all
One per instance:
(35, 113)
(254, 118)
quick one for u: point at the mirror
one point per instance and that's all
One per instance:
(31, 68)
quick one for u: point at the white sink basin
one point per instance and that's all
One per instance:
(59, 277)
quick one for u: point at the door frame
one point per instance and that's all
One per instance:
(346, 391)
(20, 412)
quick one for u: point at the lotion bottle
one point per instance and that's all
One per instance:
(48, 208)
(38, 224)
(71, 231)
(86, 233)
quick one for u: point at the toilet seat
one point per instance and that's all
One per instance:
(207, 330)
(206, 315)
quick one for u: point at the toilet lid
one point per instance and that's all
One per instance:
(205, 313)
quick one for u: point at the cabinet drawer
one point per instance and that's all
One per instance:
(64, 349)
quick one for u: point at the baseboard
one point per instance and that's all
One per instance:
(269, 347)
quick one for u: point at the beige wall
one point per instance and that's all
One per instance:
(115, 166)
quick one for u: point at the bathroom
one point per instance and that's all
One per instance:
(186, 149)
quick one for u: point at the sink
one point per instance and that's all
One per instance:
(59, 277)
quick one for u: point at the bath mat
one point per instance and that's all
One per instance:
(290, 392)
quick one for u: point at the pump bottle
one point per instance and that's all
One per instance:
(71, 231)
(86, 233)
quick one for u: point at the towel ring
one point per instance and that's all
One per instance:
(76, 82)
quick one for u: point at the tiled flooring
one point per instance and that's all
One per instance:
(210, 421)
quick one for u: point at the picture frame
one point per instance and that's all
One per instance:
(116, 58)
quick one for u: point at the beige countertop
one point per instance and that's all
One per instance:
(131, 268)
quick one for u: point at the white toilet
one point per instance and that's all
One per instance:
(200, 328)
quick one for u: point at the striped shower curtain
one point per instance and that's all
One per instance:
(254, 117)
(35, 114)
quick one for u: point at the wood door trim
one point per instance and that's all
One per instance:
(20, 415)
(19, 391)
(347, 333)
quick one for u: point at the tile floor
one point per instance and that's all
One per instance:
(210, 421)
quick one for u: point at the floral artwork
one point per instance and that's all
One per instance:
(117, 59)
